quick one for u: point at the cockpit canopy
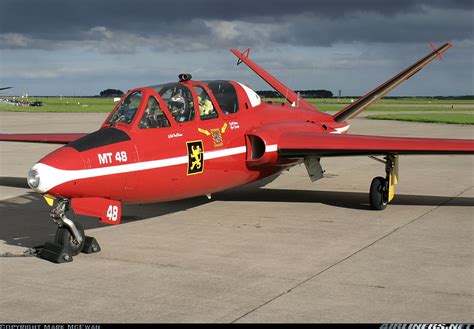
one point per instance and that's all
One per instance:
(225, 95)
(127, 108)
(183, 100)
(179, 100)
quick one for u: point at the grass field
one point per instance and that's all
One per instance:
(98, 104)
(454, 118)
(64, 104)
(408, 100)
(394, 108)
(396, 105)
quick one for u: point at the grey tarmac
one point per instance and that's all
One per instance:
(291, 251)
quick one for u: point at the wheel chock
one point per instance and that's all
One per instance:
(55, 253)
(90, 245)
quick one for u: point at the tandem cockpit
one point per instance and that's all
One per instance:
(167, 104)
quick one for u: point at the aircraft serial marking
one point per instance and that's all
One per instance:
(106, 158)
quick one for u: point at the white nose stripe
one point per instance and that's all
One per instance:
(51, 177)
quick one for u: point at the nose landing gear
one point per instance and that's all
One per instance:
(70, 238)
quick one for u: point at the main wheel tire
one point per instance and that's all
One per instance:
(378, 194)
(64, 238)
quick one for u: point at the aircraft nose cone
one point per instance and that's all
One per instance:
(54, 169)
(41, 177)
(33, 178)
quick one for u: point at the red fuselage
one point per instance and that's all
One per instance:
(127, 162)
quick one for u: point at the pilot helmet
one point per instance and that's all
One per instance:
(177, 100)
(176, 104)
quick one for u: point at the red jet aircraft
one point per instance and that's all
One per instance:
(189, 138)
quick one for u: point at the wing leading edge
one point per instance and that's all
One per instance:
(353, 109)
(42, 138)
(301, 144)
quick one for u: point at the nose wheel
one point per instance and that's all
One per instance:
(70, 238)
(66, 239)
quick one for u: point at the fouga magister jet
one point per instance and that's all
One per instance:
(189, 138)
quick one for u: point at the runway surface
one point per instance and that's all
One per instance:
(292, 251)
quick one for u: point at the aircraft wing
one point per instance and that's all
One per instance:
(301, 144)
(42, 138)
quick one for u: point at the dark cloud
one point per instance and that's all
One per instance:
(102, 24)
(440, 25)
(89, 43)
(52, 15)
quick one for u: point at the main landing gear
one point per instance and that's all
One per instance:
(382, 190)
(70, 238)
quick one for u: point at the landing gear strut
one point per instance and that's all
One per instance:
(70, 238)
(382, 189)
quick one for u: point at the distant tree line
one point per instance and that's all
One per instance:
(320, 93)
(303, 93)
(111, 93)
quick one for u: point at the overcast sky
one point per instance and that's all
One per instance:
(61, 47)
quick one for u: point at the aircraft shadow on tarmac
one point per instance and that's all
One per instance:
(25, 221)
(14, 182)
(351, 200)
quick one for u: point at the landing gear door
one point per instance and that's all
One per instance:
(313, 166)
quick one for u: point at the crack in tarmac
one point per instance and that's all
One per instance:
(348, 257)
